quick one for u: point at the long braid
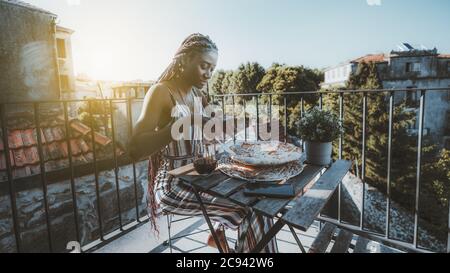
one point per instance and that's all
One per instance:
(194, 43)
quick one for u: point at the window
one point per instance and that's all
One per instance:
(412, 67)
(64, 79)
(412, 98)
(61, 45)
(448, 67)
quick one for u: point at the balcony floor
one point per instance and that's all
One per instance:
(142, 240)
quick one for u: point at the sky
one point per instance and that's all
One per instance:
(136, 39)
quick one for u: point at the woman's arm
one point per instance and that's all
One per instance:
(145, 140)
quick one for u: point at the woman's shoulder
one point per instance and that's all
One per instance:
(160, 87)
(160, 90)
(160, 93)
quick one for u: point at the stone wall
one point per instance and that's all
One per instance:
(402, 220)
(31, 212)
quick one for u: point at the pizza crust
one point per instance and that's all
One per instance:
(271, 153)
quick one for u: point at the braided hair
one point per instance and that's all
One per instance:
(194, 43)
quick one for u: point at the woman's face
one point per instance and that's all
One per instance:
(200, 68)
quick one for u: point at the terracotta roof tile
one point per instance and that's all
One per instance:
(76, 150)
(32, 155)
(58, 133)
(20, 159)
(64, 149)
(48, 135)
(15, 139)
(80, 127)
(83, 145)
(28, 137)
(24, 154)
(376, 58)
(101, 139)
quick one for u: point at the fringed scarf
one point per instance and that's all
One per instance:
(155, 162)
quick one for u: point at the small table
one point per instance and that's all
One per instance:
(313, 188)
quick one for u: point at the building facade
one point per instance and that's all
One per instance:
(409, 69)
(28, 57)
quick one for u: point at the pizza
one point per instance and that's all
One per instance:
(259, 173)
(268, 153)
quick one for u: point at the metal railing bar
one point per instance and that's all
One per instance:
(97, 186)
(72, 178)
(419, 166)
(130, 120)
(389, 164)
(43, 173)
(116, 166)
(11, 186)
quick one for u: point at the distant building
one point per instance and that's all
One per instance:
(137, 89)
(65, 61)
(407, 68)
(28, 57)
(338, 76)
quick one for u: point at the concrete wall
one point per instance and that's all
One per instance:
(27, 56)
(428, 67)
(436, 102)
(338, 75)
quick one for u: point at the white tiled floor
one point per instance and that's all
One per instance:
(142, 240)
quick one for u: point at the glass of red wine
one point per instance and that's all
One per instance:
(205, 161)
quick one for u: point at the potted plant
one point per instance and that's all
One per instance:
(318, 129)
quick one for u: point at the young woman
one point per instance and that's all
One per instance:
(171, 98)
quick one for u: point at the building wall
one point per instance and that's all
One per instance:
(437, 103)
(27, 55)
(428, 67)
(337, 76)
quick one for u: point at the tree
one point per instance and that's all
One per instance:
(435, 180)
(247, 77)
(217, 82)
(228, 83)
(282, 78)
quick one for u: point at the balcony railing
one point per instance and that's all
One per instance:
(393, 100)
(81, 143)
(117, 203)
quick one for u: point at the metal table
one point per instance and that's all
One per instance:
(313, 188)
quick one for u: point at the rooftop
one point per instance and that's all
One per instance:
(23, 143)
(376, 58)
